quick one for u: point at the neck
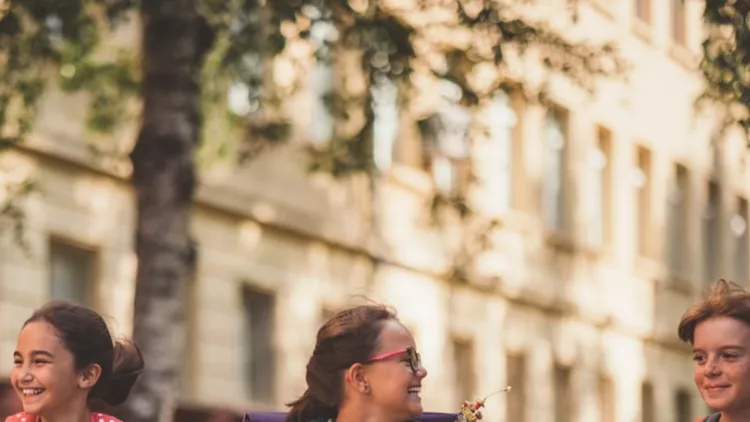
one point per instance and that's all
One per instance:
(78, 414)
(360, 413)
(739, 415)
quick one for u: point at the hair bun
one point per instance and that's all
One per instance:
(128, 365)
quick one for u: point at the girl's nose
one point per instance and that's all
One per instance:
(26, 375)
(421, 372)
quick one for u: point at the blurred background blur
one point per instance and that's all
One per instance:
(596, 219)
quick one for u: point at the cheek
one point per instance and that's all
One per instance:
(404, 375)
(393, 378)
(739, 371)
(48, 376)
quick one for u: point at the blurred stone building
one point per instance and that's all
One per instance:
(615, 211)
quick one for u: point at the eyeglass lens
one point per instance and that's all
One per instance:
(415, 360)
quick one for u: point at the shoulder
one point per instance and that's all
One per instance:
(710, 418)
(21, 417)
(103, 417)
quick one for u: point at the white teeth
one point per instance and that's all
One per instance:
(415, 389)
(32, 391)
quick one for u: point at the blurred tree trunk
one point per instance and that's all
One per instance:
(175, 40)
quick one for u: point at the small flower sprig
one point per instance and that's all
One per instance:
(472, 411)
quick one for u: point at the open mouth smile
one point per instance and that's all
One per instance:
(31, 392)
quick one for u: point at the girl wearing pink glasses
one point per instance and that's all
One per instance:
(365, 367)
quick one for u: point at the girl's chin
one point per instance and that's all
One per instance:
(416, 410)
(33, 405)
(33, 408)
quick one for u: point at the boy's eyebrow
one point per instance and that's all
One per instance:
(727, 347)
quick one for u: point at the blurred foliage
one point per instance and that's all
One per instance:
(726, 59)
(44, 40)
(71, 41)
(397, 43)
(71, 38)
(12, 211)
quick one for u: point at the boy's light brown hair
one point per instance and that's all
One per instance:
(723, 298)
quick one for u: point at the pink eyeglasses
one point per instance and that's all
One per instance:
(415, 361)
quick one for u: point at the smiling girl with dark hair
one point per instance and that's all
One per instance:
(64, 359)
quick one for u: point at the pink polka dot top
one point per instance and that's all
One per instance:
(28, 417)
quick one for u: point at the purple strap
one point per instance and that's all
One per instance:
(281, 417)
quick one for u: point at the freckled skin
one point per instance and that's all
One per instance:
(722, 366)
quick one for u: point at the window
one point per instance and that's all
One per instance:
(54, 26)
(678, 199)
(445, 137)
(607, 398)
(259, 353)
(598, 193)
(553, 202)
(464, 373)
(563, 395)
(712, 233)
(386, 124)
(248, 73)
(642, 182)
(503, 121)
(643, 10)
(683, 406)
(322, 32)
(238, 99)
(678, 22)
(515, 369)
(738, 226)
(72, 273)
(648, 408)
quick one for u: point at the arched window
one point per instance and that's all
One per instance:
(503, 120)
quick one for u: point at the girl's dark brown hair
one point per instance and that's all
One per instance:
(351, 336)
(723, 298)
(85, 334)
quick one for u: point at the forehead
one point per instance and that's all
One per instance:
(394, 336)
(721, 331)
(38, 335)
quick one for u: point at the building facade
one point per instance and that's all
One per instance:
(616, 209)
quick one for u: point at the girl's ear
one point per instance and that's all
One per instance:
(355, 376)
(88, 376)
